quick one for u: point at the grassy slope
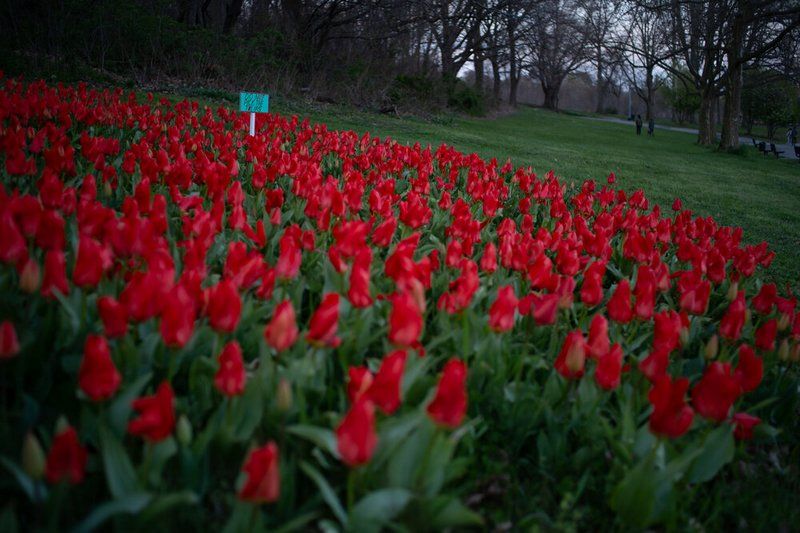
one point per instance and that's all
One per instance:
(760, 194)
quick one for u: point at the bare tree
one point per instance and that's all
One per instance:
(756, 28)
(557, 45)
(644, 46)
(600, 20)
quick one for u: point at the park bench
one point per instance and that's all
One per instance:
(774, 150)
(762, 146)
(797, 152)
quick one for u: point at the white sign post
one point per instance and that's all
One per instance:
(253, 103)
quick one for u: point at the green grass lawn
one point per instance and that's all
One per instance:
(759, 193)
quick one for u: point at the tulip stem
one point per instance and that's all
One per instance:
(58, 499)
(464, 334)
(351, 488)
(254, 517)
(148, 457)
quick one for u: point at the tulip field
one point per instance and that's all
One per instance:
(309, 329)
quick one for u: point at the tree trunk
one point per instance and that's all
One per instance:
(512, 65)
(447, 64)
(232, 11)
(733, 88)
(478, 63)
(705, 119)
(732, 110)
(496, 80)
(513, 85)
(601, 85)
(550, 95)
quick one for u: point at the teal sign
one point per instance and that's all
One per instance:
(254, 102)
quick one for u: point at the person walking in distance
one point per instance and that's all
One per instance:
(638, 123)
(651, 127)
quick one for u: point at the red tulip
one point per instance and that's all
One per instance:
(501, 313)
(98, 377)
(358, 383)
(450, 403)
(289, 259)
(143, 296)
(92, 261)
(9, 344)
(489, 259)
(263, 484)
(50, 231)
(654, 366)
(592, 288)
(540, 272)
(765, 299)
(749, 369)
(55, 274)
(714, 394)
(645, 293)
(230, 377)
(281, 332)
(12, 244)
(355, 437)
(694, 297)
(113, 315)
(66, 460)
(667, 331)
(572, 357)
(592, 291)
(358, 293)
(382, 236)
(765, 335)
(543, 308)
(461, 291)
(177, 317)
(325, 322)
(609, 368)
(405, 321)
(744, 425)
(598, 344)
(156, 414)
(671, 415)
(224, 307)
(730, 327)
(385, 388)
(619, 306)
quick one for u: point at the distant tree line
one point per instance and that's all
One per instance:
(712, 58)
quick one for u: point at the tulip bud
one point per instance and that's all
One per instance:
(733, 290)
(795, 355)
(33, 458)
(184, 431)
(783, 322)
(30, 276)
(712, 347)
(283, 397)
(684, 335)
(576, 359)
(783, 350)
(784, 355)
(62, 424)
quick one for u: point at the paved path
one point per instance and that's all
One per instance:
(788, 150)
